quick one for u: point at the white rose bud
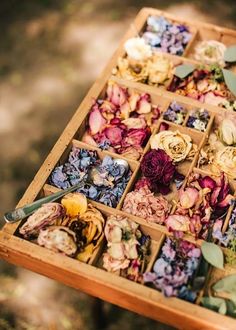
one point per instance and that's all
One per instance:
(227, 132)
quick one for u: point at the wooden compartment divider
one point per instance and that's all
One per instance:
(91, 278)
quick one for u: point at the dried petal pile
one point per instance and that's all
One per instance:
(198, 120)
(166, 36)
(175, 113)
(128, 248)
(46, 215)
(210, 52)
(205, 85)
(178, 146)
(73, 227)
(142, 203)
(120, 122)
(103, 181)
(174, 269)
(200, 202)
(146, 66)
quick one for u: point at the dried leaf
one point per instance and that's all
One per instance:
(184, 70)
(230, 54)
(213, 254)
(230, 80)
(227, 284)
(214, 303)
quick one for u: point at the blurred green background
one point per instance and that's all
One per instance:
(50, 54)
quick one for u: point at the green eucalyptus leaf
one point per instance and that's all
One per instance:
(214, 303)
(213, 254)
(230, 80)
(230, 54)
(183, 70)
(231, 308)
(227, 284)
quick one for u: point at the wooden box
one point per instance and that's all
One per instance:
(91, 278)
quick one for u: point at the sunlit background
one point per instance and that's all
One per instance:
(50, 54)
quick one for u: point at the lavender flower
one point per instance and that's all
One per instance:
(166, 36)
(174, 269)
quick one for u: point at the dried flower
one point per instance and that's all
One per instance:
(210, 52)
(175, 144)
(144, 204)
(227, 132)
(157, 166)
(137, 49)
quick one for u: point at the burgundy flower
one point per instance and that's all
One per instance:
(158, 168)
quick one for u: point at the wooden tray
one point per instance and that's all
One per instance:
(90, 278)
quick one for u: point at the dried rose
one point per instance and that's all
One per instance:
(46, 215)
(210, 52)
(59, 239)
(225, 160)
(188, 197)
(227, 132)
(137, 49)
(159, 69)
(157, 166)
(175, 144)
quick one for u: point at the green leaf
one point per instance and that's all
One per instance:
(214, 303)
(231, 308)
(230, 80)
(184, 70)
(213, 254)
(230, 54)
(227, 284)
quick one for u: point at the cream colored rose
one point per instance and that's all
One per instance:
(129, 71)
(137, 49)
(159, 69)
(225, 160)
(177, 145)
(210, 51)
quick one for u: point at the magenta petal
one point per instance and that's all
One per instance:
(115, 121)
(226, 202)
(164, 127)
(136, 137)
(96, 120)
(114, 135)
(207, 182)
(215, 195)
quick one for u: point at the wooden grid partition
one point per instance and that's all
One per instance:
(91, 278)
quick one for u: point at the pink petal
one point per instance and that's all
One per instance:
(125, 110)
(96, 120)
(114, 135)
(144, 104)
(133, 99)
(188, 197)
(87, 138)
